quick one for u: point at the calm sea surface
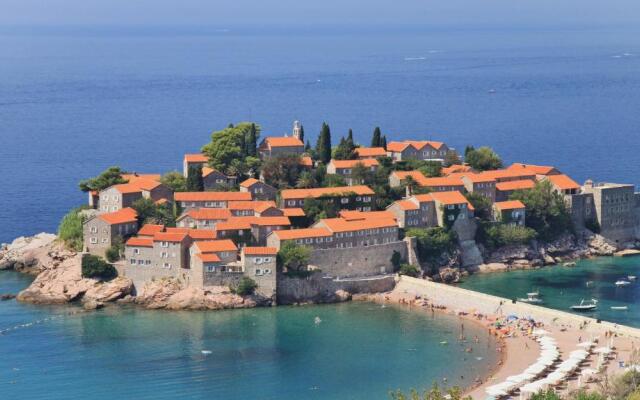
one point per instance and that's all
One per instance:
(357, 351)
(562, 287)
(72, 104)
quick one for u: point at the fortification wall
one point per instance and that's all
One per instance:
(357, 262)
(463, 299)
(141, 274)
(222, 278)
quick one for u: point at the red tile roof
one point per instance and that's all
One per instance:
(293, 212)
(360, 190)
(416, 175)
(196, 158)
(286, 141)
(257, 205)
(418, 145)
(123, 216)
(212, 196)
(140, 242)
(450, 198)
(260, 251)
(370, 162)
(477, 178)
(371, 151)
(134, 176)
(169, 236)
(515, 185)
(195, 234)
(509, 205)
(358, 215)
(206, 171)
(343, 225)
(563, 182)
(208, 214)
(150, 230)
(249, 182)
(306, 161)
(534, 169)
(441, 181)
(209, 257)
(509, 174)
(406, 205)
(423, 198)
(456, 168)
(291, 234)
(215, 246)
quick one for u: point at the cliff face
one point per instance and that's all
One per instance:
(59, 280)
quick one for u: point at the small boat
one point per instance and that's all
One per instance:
(622, 283)
(589, 306)
(534, 294)
(444, 342)
(589, 283)
(569, 264)
(317, 320)
(532, 298)
(620, 308)
(631, 277)
(206, 352)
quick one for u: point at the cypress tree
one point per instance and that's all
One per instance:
(376, 138)
(307, 147)
(251, 143)
(383, 142)
(350, 137)
(195, 182)
(323, 148)
(302, 133)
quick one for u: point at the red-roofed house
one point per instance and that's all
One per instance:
(511, 212)
(193, 160)
(101, 231)
(345, 169)
(357, 197)
(203, 218)
(273, 146)
(451, 206)
(188, 200)
(258, 189)
(417, 150)
(563, 184)
(415, 211)
(370, 152)
(117, 197)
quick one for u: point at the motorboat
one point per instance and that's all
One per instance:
(622, 282)
(532, 298)
(589, 283)
(620, 308)
(585, 306)
(631, 277)
(535, 293)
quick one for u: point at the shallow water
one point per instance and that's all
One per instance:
(562, 287)
(356, 351)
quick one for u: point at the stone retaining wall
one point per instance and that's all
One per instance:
(222, 278)
(456, 298)
(357, 262)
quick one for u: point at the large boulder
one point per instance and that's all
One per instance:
(112, 290)
(449, 275)
(28, 254)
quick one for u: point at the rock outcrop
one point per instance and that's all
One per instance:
(28, 254)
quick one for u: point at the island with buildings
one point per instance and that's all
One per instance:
(252, 221)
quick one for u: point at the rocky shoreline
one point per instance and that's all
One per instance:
(59, 280)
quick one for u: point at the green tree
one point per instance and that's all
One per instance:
(323, 147)
(435, 393)
(115, 252)
(481, 204)
(111, 176)
(302, 134)
(151, 213)
(293, 257)
(252, 142)
(333, 180)
(282, 171)
(549, 394)
(361, 175)
(482, 159)
(194, 181)
(307, 147)
(246, 286)
(494, 235)
(70, 229)
(432, 243)
(230, 144)
(430, 169)
(452, 158)
(376, 137)
(383, 142)
(175, 181)
(547, 212)
(305, 180)
(410, 270)
(96, 267)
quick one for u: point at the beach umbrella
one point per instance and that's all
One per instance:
(588, 371)
(602, 350)
(540, 332)
(579, 354)
(586, 344)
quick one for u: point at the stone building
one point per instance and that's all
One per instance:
(439, 184)
(504, 190)
(102, 230)
(357, 197)
(615, 208)
(203, 218)
(258, 189)
(272, 146)
(259, 264)
(345, 168)
(511, 212)
(251, 230)
(120, 196)
(193, 160)
(451, 206)
(417, 150)
(417, 211)
(189, 200)
(481, 184)
(213, 179)
(364, 153)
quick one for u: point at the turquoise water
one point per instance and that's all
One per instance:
(562, 287)
(357, 351)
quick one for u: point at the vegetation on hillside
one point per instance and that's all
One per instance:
(151, 213)
(432, 243)
(233, 150)
(70, 229)
(293, 257)
(246, 286)
(96, 267)
(175, 181)
(482, 159)
(111, 176)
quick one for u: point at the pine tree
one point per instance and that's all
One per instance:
(302, 133)
(307, 147)
(383, 142)
(195, 182)
(251, 143)
(323, 148)
(376, 138)
(350, 137)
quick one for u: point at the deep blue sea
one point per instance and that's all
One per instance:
(74, 102)
(356, 351)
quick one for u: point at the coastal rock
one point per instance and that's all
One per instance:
(449, 275)
(112, 290)
(493, 267)
(599, 246)
(342, 295)
(92, 305)
(24, 253)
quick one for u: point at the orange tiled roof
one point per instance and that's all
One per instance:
(441, 181)
(406, 205)
(509, 205)
(358, 215)
(123, 216)
(140, 242)
(235, 224)
(563, 182)
(370, 151)
(271, 221)
(418, 145)
(306, 161)
(209, 257)
(291, 234)
(169, 236)
(423, 198)
(533, 169)
(260, 251)
(515, 185)
(499, 174)
(150, 230)
(132, 177)
(258, 205)
(212, 196)
(206, 171)
(456, 168)
(416, 175)
(370, 162)
(450, 198)
(208, 214)
(195, 234)
(319, 192)
(249, 182)
(283, 141)
(196, 158)
(293, 212)
(477, 178)
(214, 246)
(343, 225)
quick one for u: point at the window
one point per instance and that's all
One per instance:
(451, 217)
(267, 271)
(211, 268)
(291, 202)
(166, 266)
(258, 271)
(147, 262)
(164, 244)
(344, 200)
(309, 240)
(450, 206)
(164, 254)
(267, 259)
(132, 261)
(358, 198)
(104, 240)
(94, 240)
(140, 262)
(258, 260)
(94, 229)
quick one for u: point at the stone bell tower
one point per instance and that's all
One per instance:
(297, 129)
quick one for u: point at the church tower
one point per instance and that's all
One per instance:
(297, 129)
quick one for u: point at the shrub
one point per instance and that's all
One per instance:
(410, 270)
(593, 225)
(550, 394)
(246, 286)
(433, 242)
(494, 235)
(396, 260)
(114, 252)
(96, 267)
(293, 257)
(70, 229)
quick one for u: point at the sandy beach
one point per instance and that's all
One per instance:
(519, 349)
